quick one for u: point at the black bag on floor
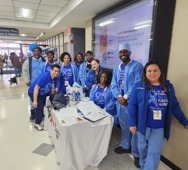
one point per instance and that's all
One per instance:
(58, 100)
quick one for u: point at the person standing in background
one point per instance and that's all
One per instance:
(46, 66)
(79, 59)
(1, 63)
(31, 69)
(151, 105)
(16, 63)
(124, 77)
(85, 69)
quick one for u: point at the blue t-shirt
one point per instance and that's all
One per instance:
(157, 101)
(98, 97)
(66, 75)
(44, 81)
(47, 67)
(121, 79)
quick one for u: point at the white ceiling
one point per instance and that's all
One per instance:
(48, 16)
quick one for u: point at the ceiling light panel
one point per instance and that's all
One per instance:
(25, 13)
(30, 1)
(25, 5)
(57, 3)
(49, 8)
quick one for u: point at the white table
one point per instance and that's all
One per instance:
(81, 144)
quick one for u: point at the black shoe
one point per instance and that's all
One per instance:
(32, 117)
(136, 162)
(120, 150)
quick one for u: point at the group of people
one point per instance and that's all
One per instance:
(139, 98)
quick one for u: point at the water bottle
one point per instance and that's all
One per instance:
(77, 96)
(73, 98)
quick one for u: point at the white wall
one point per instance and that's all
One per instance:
(176, 149)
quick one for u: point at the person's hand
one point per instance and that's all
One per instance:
(93, 85)
(87, 88)
(35, 104)
(122, 101)
(28, 84)
(186, 126)
(133, 129)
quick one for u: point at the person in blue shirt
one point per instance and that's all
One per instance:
(31, 69)
(38, 90)
(46, 66)
(124, 77)
(78, 59)
(85, 68)
(92, 76)
(151, 105)
(68, 73)
(101, 94)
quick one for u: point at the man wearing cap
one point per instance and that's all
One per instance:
(124, 77)
(31, 69)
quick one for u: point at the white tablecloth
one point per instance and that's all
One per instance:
(81, 144)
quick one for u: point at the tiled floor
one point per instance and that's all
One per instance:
(18, 138)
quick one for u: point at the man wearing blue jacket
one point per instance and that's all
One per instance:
(124, 77)
(85, 68)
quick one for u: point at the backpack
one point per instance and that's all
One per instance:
(58, 100)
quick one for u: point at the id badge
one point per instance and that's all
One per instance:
(66, 83)
(157, 115)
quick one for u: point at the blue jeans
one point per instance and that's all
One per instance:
(150, 147)
(39, 111)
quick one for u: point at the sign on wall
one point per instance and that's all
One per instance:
(9, 31)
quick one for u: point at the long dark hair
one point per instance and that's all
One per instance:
(161, 78)
(109, 77)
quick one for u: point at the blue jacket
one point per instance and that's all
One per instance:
(110, 101)
(75, 74)
(82, 74)
(138, 106)
(133, 74)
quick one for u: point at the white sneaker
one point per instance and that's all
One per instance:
(38, 127)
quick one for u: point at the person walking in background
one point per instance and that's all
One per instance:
(31, 69)
(92, 76)
(101, 94)
(68, 73)
(124, 77)
(151, 105)
(16, 63)
(85, 68)
(1, 63)
(38, 90)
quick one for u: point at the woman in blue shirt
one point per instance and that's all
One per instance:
(68, 74)
(151, 105)
(92, 76)
(101, 94)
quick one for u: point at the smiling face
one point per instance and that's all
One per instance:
(79, 58)
(153, 73)
(94, 65)
(50, 57)
(36, 53)
(55, 72)
(124, 55)
(66, 60)
(103, 78)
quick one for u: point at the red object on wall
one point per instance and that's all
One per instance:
(71, 41)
